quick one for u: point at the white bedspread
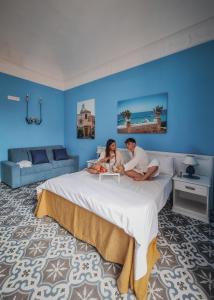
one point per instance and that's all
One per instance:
(132, 206)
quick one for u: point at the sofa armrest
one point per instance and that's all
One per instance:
(75, 159)
(10, 174)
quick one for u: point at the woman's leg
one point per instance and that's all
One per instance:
(94, 169)
(91, 170)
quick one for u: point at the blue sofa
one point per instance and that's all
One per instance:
(14, 176)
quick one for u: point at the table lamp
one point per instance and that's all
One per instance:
(190, 161)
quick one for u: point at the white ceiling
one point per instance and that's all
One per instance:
(56, 41)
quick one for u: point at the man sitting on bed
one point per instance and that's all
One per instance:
(139, 167)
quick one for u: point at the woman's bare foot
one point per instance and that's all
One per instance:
(92, 171)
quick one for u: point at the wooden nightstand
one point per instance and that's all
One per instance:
(191, 197)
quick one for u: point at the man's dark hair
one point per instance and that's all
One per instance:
(130, 140)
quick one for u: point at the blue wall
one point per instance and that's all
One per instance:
(14, 131)
(187, 77)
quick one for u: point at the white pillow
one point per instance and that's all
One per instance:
(24, 164)
(166, 165)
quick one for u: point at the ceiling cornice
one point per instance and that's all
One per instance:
(24, 73)
(184, 39)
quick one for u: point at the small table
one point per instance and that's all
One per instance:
(191, 197)
(101, 175)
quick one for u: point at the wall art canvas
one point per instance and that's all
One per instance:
(146, 114)
(86, 119)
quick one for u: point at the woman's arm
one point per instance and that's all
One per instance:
(103, 158)
(119, 158)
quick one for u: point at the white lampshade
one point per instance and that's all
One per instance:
(190, 160)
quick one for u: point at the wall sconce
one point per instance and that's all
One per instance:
(33, 120)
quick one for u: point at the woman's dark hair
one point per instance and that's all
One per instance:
(130, 140)
(108, 144)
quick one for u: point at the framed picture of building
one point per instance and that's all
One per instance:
(86, 119)
(147, 114)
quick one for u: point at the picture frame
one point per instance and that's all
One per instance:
(146, 114)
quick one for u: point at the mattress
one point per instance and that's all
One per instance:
(158, 189)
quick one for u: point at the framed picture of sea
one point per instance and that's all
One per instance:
(86, 119)
(146, 114)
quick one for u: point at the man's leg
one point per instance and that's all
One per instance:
(148, 175)
(131, 173)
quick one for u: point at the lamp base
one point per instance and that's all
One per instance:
(191, 176)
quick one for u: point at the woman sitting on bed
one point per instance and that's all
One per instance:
(110, 159)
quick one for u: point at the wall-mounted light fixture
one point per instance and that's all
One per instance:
(33, 120)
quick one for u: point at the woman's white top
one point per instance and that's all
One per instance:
(139, 161)
(114, 161)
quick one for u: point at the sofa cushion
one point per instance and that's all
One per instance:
(49, 154)
(60, 154)
(39, 157)
(19, 154)
(62, 163)
(40, 168)
(49, 151)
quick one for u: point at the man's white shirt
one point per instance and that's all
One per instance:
(139, 161)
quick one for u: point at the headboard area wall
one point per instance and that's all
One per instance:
(205, 165)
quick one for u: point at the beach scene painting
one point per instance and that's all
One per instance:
(147, 114)
(86, 119)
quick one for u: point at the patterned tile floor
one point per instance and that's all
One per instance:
(40, 260)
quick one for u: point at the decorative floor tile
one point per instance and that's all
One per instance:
(18, 295)
(188, 256)
(40, 260)
(207, 230)
(168, 258)
(178, 220)
(206, 249)
(205, 279)
(37, 248)
(156, 289)
(192, 233)
(172, 235)
(23, 232)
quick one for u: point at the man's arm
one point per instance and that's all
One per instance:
(130, 165)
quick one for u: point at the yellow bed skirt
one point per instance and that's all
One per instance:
(111, 242)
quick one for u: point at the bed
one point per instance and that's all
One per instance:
(120, 220)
